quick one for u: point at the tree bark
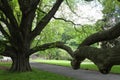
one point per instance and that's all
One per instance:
(20, 64)
(46, 46)
(21, 34)
(109, 34)
(104, 59)
(46, 19)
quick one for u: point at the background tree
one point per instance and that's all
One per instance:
(111, 17)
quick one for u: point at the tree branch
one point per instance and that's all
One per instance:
(28, 14)
(45, 20)
(9, 13)
(6, 35)
(69, 21)
(104, 59)
(51, 45)
(57, 18)
(27, 6)
(110, 34)
(71, 8)
(9, 52)
(8, 25)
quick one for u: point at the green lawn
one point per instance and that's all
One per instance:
(43, 75)
(34, 75)
(115, 69)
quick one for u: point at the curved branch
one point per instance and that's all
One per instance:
(110, 34)
(62, 19)
(51, 45)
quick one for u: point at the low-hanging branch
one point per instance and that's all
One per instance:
(110, 34)
(46, 46)
(104, 59)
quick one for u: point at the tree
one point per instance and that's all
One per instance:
(20, 27)
(17, 28)
(105, 58)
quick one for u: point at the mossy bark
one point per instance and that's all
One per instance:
(104, 59)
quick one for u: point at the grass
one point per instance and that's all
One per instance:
(115, 69)
(55, 62)
(43, 75)
(34, 75)
(6, 64)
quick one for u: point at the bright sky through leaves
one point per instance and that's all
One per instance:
(88, 12)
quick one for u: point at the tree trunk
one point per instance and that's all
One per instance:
(20, 64)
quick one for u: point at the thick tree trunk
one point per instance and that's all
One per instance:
(20, 64)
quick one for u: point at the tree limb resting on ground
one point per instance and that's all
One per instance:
(104, 59)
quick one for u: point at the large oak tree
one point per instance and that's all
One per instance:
(19, 34)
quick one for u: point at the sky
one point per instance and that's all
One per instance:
(87, 13)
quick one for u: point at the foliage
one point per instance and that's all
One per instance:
(111, 17)
(58, 30)
(109, 5)
(15, 6)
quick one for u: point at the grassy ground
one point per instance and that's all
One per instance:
(87, 66)
(34, 75)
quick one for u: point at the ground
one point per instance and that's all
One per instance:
(77, 74)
